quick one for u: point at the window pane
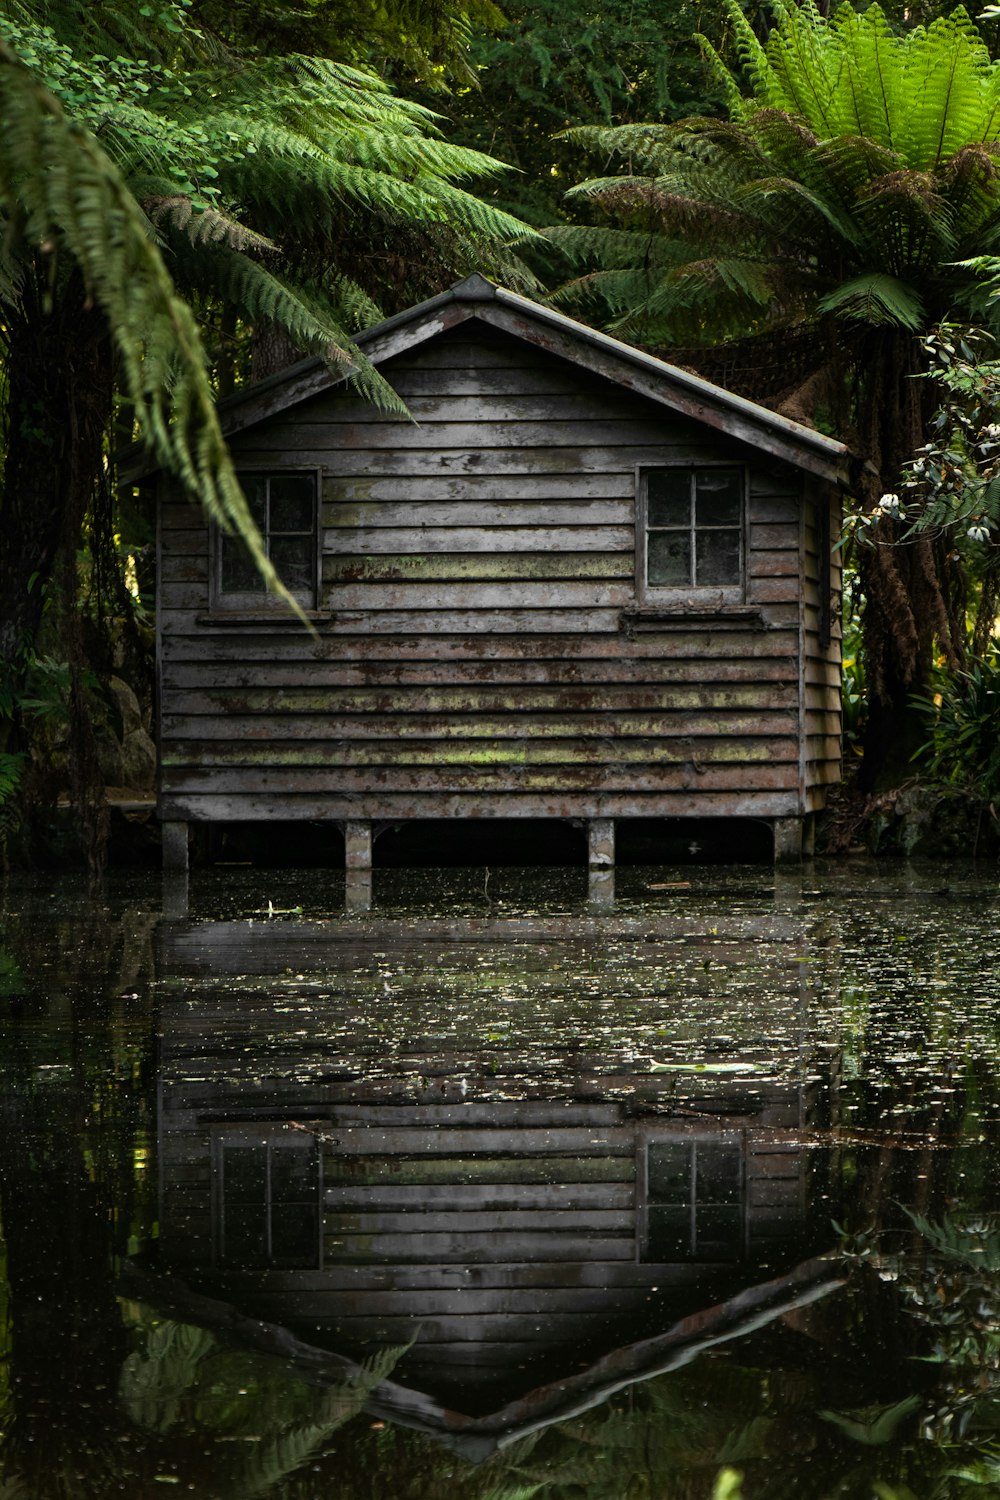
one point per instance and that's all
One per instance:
(718, 1172)
(668, 1172)
(244, 1243)
(292, 502)
(293, 558)
(239, 576)
(244, 1174)
(718, 557)
(668, 497)
(295, 1234)
(294, 1175)
(719, 1233)
(720, 493)
(669, 558)
(669, 1234)
(255, 488)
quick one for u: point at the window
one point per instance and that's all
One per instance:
(267, 1199)
(285, 510)
(694, 1200)
(690, 530)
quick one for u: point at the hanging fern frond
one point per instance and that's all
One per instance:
(59, 189)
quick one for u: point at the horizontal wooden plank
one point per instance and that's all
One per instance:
(427, 598)
(715, 729)
(418, 539)
(469, 1301)
(342, 704)
(445, 1140)
(774, 536)
(485, 380)
(768, 773)
(515, 1278)
(555, 1197)
(484, 778)
(471, 1249)
(689, 802)
(488, 567)
(616, 457)
(479, 625)
(235, 668)
(295, 433)
(453, 1173)
(587, 403)
(552, 1218)
(479, 1335)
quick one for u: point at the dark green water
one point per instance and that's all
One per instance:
(492, 1192)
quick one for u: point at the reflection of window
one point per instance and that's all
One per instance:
(691, 528)
(694, 1200)
(267, 1198)
(284, 509)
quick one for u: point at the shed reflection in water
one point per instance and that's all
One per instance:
(494, 1178)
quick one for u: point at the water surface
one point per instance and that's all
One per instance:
(496, 1191)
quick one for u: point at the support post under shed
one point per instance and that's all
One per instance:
(358, 845)
(174, 844)
(788, 840)
(601, 843)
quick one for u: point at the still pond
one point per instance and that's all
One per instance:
(497, 1190)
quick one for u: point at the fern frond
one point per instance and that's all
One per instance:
(61, 187)
(877, 299)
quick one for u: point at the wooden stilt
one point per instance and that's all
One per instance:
(601, 843)
(787, 841)
(174, 843)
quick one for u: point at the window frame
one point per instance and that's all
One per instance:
(696, 593)
(253, 600)
(691, 1140)
(271, 1137)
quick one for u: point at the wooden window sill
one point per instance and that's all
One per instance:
(659, 617)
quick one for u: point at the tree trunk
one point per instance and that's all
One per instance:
(58, 360)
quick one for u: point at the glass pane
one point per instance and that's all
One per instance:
(668, 497)
(294, 1177)
(669, 558)
(719, 499)
(718, 1171)
(669, 1234)
(239, 576)
(244, 1174)
(295, 1234)
(668, 1172)
(718, 557)
(719, 1234)
(292, 502)
(244, 1243)
(293, 558)
(255, 488)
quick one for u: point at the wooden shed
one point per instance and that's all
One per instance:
(579, 584)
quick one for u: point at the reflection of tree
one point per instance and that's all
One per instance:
(72, 1099)
(179, 1383)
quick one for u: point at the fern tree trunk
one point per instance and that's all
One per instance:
(909, 593)
(59, 370)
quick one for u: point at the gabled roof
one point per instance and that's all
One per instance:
(476, 298)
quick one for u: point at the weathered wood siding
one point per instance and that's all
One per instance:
(503, 1240)
(821, 749)
(471, 656)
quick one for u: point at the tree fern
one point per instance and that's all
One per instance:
(58, 188)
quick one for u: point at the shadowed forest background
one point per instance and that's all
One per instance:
(801, 206)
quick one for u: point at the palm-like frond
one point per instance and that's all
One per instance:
(863, 164)
(59, 189)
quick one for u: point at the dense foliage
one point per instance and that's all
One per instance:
(155, 183)
(835, 214)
